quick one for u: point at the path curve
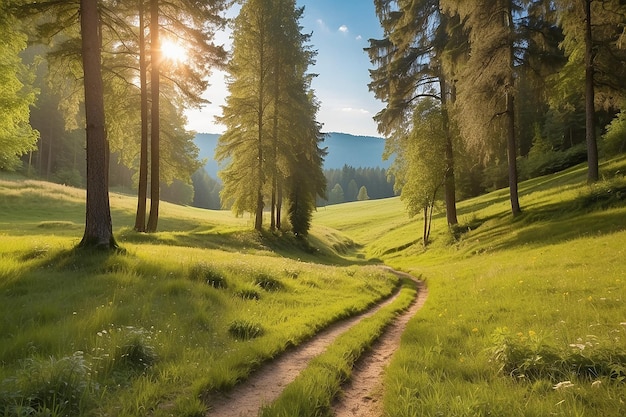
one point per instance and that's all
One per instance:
(362, 394)
(267, 383)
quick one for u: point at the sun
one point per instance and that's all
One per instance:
(173, 51)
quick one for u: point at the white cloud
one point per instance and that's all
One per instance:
(322, 25)
(353, 110)
(343, 29)
(359, 37)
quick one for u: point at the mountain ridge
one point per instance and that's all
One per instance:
(343, 149)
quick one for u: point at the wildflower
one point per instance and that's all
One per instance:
(578, 345)
(563, 385)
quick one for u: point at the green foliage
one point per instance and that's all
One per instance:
(420, 165)
(614, 140)
(378, 182)
(271, 145)
(362, 196)
(16, 96)
(548, 162)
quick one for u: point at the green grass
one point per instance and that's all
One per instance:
(151, 329)
(517, 306)
(312, 392)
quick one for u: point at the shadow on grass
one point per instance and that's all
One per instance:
(590, 214)
(283, 244)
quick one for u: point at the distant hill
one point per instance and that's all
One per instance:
(343, 149)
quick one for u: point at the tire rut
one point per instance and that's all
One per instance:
(362, 394)
(266, 384)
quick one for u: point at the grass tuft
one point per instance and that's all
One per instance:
(48, 387)
(245, 330)
(202, 272)
(268, 283)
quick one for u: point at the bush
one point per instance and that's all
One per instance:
(539, 164)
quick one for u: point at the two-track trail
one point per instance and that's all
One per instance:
(266, 384)
(362, 394)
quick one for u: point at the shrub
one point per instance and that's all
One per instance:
(540, 164)
(245, 330)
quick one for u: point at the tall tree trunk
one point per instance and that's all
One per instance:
(260, 205)
(279, 205)
(155, 59)
(273, 204)
(142, 193)
(449, 182)
(98, 226)
(510, 117)
(590, 112)
(512, 154)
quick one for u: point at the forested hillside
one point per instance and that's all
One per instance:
(501, 91)
(351, 162)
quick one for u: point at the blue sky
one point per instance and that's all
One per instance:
(341, 29)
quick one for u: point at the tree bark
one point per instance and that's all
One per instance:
(155, 60)
(98, 225)
(449, 182)
(512, 155)
(590, 112)
(142, 192)
(510, 125)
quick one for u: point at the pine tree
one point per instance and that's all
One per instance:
(487, 83)
(272, 139)
(594, 39)
(415, 60)
(98, 226)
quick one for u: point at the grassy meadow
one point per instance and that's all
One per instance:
(526, 316)
(156, 327)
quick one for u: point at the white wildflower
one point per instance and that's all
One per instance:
(563, 385)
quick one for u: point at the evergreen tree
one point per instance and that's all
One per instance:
(487, 87)
(594, 39)
(362, 194)
(98, 226)
(272, 139)
(416, 58)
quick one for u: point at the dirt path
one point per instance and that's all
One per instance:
(266, 384)
(362, 395)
